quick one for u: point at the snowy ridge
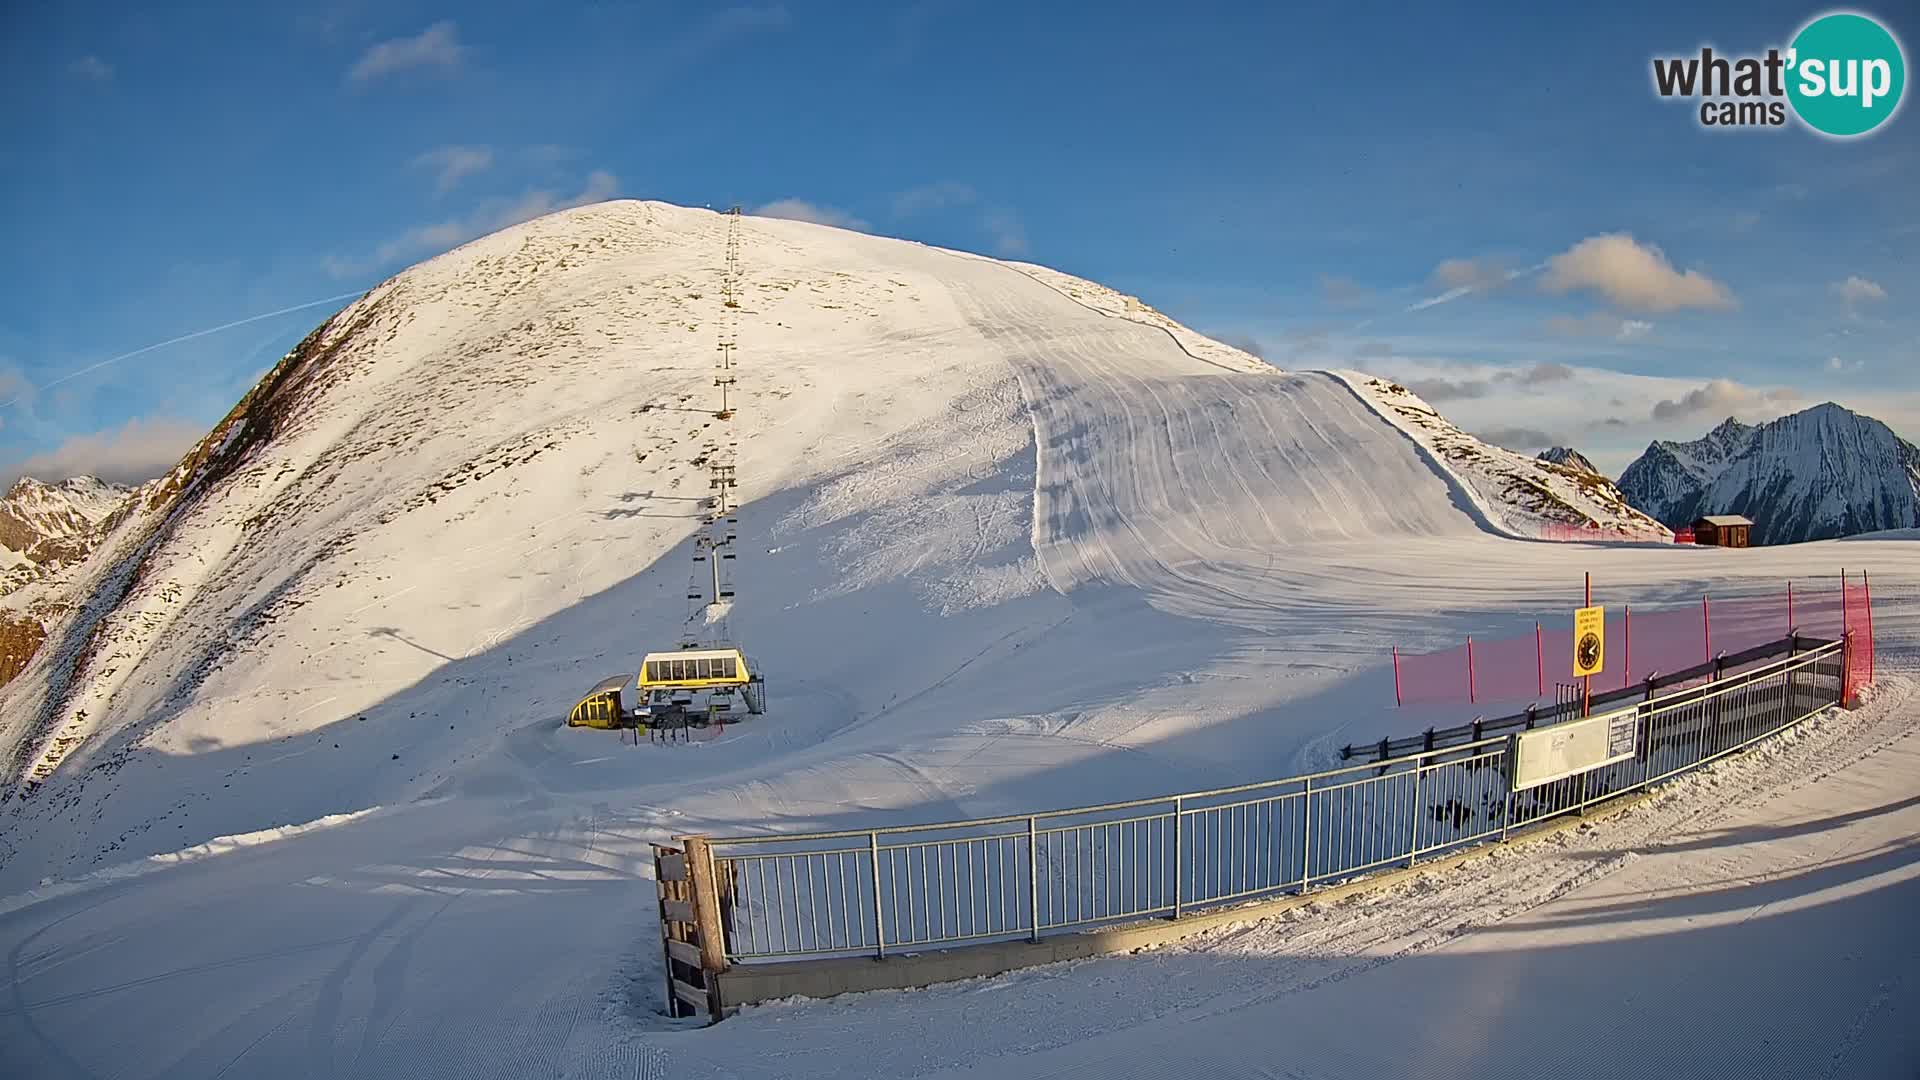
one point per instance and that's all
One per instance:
(1516, 494)
(1132, 308)
(1816, 474)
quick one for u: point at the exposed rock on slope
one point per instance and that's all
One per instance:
(1530, 497)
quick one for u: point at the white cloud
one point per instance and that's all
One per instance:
(1438, 388)
(140, 449)
(491, 216)
(1599, 324)
(452, 164)
(1633, 276)
(92, 68)
(1724, 397)
(802, 210)
(931, 197)
(15, 388)
(1522, 439)
(1344, 292)
(1471, 274)
(1540, 374)
(1834, 363)
(1009, 235)
(1857, 290)
(436, 48)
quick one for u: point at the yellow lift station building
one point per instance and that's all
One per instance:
(675, 688)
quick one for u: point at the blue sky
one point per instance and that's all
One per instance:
(1304, 181)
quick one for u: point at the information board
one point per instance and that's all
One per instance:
(1553, 753)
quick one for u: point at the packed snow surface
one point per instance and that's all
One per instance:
(1010, 541)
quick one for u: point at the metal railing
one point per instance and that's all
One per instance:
(1541, 715)
(906, 888)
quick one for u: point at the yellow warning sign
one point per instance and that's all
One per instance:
(1589, 640)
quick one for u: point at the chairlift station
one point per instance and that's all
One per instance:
(707, 680)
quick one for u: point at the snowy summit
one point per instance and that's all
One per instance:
(1816, 474)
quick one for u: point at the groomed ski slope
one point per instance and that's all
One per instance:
(977, 494)
(1006, 548)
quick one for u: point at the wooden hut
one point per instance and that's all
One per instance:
(1722, 530)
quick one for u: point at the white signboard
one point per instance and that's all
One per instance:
(1553, 753)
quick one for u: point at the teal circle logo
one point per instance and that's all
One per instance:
(1845, 74)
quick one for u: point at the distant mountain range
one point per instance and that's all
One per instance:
(1820, 473)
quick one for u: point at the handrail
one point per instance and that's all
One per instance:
(1387, 750)
(1653, 705)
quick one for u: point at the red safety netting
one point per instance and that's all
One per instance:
(1859, 622)
(1594, 532)
(1640, 642)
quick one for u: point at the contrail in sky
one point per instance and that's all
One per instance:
(71, 375)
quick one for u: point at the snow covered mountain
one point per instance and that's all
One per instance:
(469, 495)
(1816, 474)
(46, 525)
(1568, 456)
(46, 531)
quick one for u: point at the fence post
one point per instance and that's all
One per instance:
(1867, 588)
(1306, 834)
(1845, 622)
(1413, 815)
(1513, 762)
(1706, 625)
(1846, 668)
(1178, 804)
(706, 921)
(1789, 607)
(1396, 677)
(1033, 876)
(1647, 742)
(1472, 695)
(879, 924)
(1539, 662)
(1626, 671)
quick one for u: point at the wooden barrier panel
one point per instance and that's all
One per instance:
(692, 949)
